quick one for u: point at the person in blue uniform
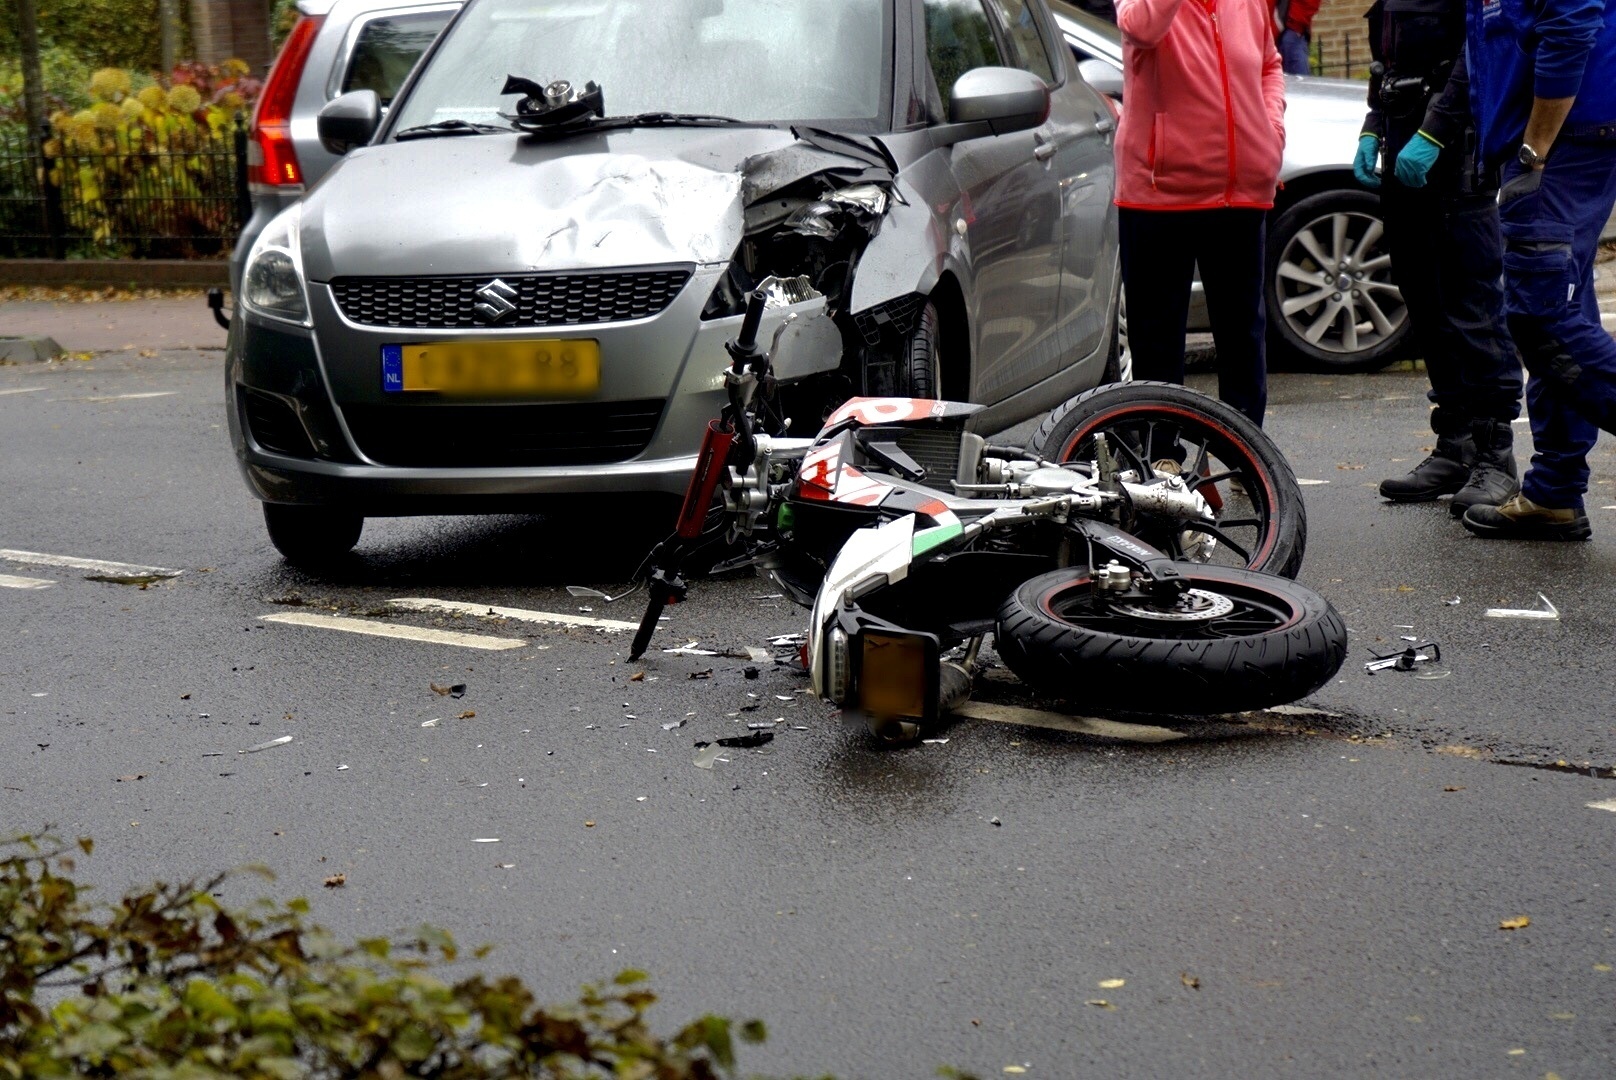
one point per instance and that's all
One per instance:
(1440, 207)
(1543, 79)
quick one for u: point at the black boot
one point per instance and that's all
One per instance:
(1493, 478)
(1443, 473)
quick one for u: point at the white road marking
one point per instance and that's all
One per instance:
(487, 611)
(1083, 725)
(21, 390)
(390, 630)
(1604, 804)
(132, 397)
(73, 562)
(8, 581)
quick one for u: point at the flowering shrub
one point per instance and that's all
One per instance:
(148, 169)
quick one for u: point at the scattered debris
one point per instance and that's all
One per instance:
(1432, 676)
(336, 881)
(673, 725)
(431, 723)
(458, 690)
(750, 672)
(747, 742)
(1112, 984)
(342, 768)
(1100, 1003)
(995, 822)
(504, 866)
(589, 824)
(1519, 922)
(1545, 610)
(638, 676)
(282, 741)
(486, 840)
(1454, 787)
(1428, 652)
(702, 674)
(144, 581)
(928, 742)
(690, 650)
(130, 779)
(709, 753)
(1189, 980)
(469, 714)
(1452, 601)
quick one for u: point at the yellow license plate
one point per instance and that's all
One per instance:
(549, 368)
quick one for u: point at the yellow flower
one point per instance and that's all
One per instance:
(232, 100)
(184, 99)
(131, 108)
(105, 115)
(235, 68)
(109, 84)
(152, 97)
(81, 129)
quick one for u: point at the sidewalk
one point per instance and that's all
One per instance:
(168, 322)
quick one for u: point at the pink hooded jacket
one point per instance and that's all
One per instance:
(1203, 120)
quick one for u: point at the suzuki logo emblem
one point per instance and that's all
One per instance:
(496, 302)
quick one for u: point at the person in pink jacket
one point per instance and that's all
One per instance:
(1198, 155)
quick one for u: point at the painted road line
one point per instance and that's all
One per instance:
(21, 390)
(131, 397)
(487, 611)
(1604, 804)
(8, 581)
(73, 562)
(391, 630)
(1083, 725)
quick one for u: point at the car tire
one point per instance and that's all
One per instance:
(312, 537)
(1332, 305)
(916, 369)
(1119, 361)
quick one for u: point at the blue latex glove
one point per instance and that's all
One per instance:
(1415, 160)
(1363, 166)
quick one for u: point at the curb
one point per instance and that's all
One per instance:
(28, 350)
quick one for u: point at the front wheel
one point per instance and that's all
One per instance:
(1165, 433)
(1234, 641)
(312, 537)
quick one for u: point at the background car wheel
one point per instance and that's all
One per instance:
(916, 370)
(1237, 641)
(1158, 429)
(1119, 362)
(1332, 304)
(312, 537)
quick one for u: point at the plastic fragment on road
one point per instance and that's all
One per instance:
(1452, 601)
(1432, 676)
(282, 741)
(342, 768)
(690, 650)
(707, 755)
(673, 725)
(432, 723)
(1428, 652)
(1604, 804)
(486, 840)
(747, 742)
(1545, 610)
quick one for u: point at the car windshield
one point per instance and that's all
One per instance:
(754, 60)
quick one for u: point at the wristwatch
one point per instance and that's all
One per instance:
(1529, 157)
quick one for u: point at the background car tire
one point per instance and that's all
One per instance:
(1279, 642)
(1278, 538)
(916, 370)
(312, 537)
(1322, 315)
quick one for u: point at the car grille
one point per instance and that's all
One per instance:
(274, 425)
(493, 436)
(571, 299)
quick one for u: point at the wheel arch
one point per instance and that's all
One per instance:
(955, 331)
(1317, 182)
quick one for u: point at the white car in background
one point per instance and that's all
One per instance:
(1331, 302)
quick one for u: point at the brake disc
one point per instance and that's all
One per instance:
(1196, 605)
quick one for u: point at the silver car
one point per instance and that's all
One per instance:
(1331, 301)
(515, 285)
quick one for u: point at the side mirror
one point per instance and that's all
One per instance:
(349, 121)
(1101, 76)
(994, 101)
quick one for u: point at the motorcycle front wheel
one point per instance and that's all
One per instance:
(1235, 641)
(1156, 430)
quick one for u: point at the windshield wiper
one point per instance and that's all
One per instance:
(668, 119)
(448, 127)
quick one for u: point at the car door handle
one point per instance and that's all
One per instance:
(1044, 151)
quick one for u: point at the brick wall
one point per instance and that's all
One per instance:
(225, 29)
(1339, 29)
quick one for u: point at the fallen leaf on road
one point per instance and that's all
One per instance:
(1014, 1069)
(1519, 922)
(336, 881)
(589, 824)
(456, 690)
(1454, 787)
(638, 676)
(1602, 967)
(1112, 984)
(1099, 1003)
(1189, 980)
(467, 715)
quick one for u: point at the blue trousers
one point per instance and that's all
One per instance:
(1293, 54)
(1551, 226)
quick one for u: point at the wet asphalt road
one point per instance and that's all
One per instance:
(1332, 882)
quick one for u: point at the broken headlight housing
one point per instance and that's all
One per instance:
(272, 284)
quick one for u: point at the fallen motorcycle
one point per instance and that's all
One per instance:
(1135, 556)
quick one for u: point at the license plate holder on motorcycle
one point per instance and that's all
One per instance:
(537, 368)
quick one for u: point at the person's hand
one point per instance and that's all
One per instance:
(1414, 161)
(1363, 165)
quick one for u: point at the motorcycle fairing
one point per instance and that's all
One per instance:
(872, 557)
(876, 411)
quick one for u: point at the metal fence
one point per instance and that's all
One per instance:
(140, 194)
(1345, 56)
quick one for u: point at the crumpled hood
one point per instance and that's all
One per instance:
(503, 204)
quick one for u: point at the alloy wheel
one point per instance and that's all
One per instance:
(1334, 284)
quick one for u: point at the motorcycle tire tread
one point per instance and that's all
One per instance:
(1140, 673)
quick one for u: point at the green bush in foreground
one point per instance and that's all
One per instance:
(167, 984)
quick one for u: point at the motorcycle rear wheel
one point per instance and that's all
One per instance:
(1260, 521)
(1241, 641)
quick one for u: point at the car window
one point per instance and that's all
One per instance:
(958, 38)
(784, 60)
(1026, 43)
(386, 49)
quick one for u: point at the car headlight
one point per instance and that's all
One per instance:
(273, 283)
